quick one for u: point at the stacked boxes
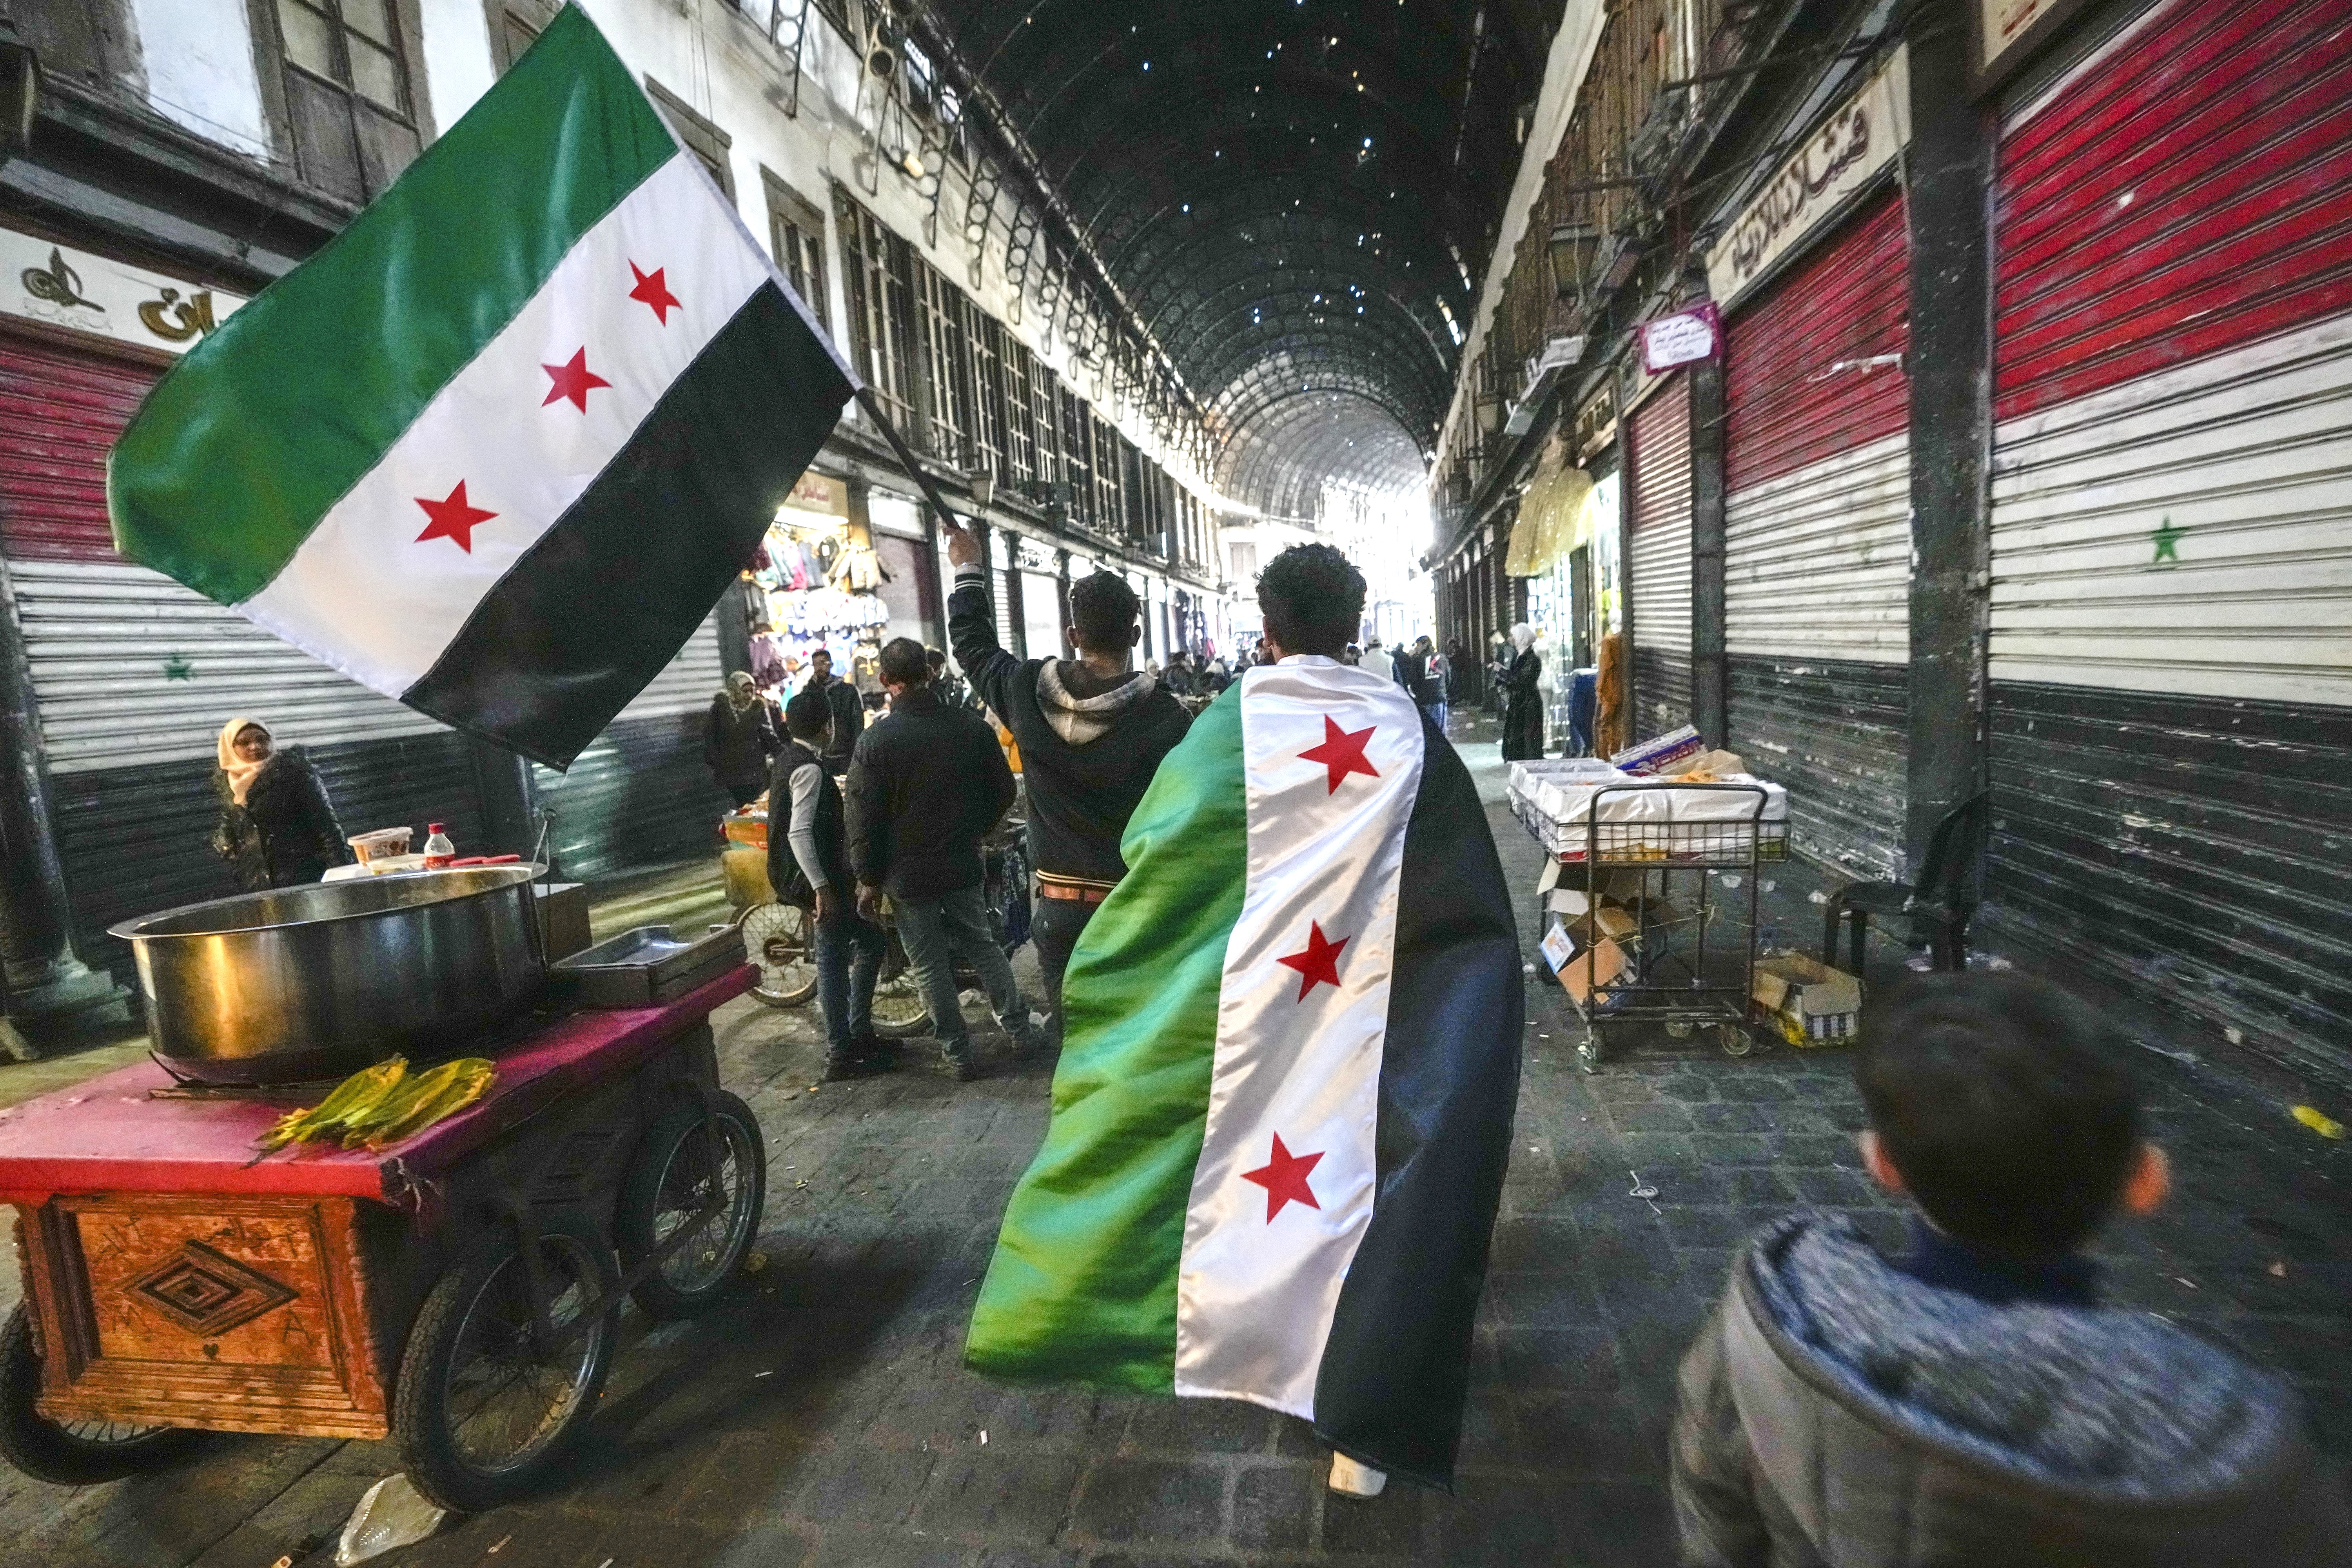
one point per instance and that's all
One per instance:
(1810, 1003)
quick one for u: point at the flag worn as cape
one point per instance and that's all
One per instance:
(1284, 1106)
(499, 447)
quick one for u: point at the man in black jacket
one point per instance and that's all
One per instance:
(1091, 731)
(848, 712)
(924, 786)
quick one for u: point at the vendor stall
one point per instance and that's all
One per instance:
(456, 1288)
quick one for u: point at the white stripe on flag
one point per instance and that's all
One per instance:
(1260, 1274)
(364, 593)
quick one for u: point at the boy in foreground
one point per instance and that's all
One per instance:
(1972, 1402)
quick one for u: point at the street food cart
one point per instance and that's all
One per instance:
(457, 1291)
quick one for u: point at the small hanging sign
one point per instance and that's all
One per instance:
(1683, 338)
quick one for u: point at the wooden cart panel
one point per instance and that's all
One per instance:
(234, 1314)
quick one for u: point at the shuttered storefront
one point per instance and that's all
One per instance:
(1818, 540)
(2171, 613)
(641, 794)
(133, 675)
(1659, 574)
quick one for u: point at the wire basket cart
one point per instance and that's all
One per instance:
(1679, 878)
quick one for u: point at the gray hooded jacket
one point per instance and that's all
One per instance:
(1836, 1412)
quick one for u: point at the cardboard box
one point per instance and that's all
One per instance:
(1607, 923)
(1661, 754)
(1810, 1003)
(1592, 968)
(1571, 903)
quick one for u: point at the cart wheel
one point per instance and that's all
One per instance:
(777, 938)
(1679, 1029)
(898, 1011)
(1735, 1039)
(481, 1414)
(69, 1452)
(672, 1177)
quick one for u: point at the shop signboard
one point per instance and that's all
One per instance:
(58, 286)
(820, 493)
(1596, 424)
(2009, 31)
(1684, 338)
(1861, 139)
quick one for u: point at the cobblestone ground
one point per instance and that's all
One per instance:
(821, 1417)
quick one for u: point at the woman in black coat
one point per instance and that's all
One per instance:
(1523, 718)
(741, 738)
(276, 829)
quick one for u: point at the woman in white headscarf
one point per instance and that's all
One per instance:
(739, 739)
(1523, 719)
(277, 827)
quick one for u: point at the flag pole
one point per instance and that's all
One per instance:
(873, 406)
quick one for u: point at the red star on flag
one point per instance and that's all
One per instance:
(574, 380)
(653, 292)
(453, 519)
(1284, 1177)
(1320, 964)
(1342, 751)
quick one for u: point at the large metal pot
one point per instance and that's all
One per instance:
(318, 981)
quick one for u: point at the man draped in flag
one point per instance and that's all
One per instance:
(499, 447)
(1283, 1110)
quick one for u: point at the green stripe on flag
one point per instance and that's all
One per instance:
(1083, 1281)
(249, 440)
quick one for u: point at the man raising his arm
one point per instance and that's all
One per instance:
(1091, 731)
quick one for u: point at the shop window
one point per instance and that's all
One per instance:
(515, 26)
(346, 95)
(874, 270)
(700, 136)
(796, 237)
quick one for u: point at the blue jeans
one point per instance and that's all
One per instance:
(938, 931)
(848, 955)
(1436, 711)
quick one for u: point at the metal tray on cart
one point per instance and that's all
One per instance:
(645, 967)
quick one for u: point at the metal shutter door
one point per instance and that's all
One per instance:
(1817, 586)
(2171, 614)
(1659, 574)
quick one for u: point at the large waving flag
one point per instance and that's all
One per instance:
(498, 447)
(1284, 1106)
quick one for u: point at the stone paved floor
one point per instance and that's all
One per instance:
(821, 1417)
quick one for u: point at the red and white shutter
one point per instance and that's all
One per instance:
(2171, 596)
(1658, 575)
(1817, 469)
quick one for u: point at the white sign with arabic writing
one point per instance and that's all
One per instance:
(61, 287)
(1857, 142)
(2002, 25)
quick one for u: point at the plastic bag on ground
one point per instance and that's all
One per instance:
(393, 1513)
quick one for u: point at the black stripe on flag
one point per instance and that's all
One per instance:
(1396, 1367)
(605, 600)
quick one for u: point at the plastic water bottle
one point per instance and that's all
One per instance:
(438, 851)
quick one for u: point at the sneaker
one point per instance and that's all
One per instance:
(872, 1047)
(962, 1060)
(841, 1066)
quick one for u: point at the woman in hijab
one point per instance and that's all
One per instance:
(739, 739)
(1523, 719)
(277, 826)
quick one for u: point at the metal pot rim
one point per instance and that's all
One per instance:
(500, 877)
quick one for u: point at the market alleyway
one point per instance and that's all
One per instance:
(822, 1417)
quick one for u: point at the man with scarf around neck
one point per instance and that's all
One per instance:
(1091, 731)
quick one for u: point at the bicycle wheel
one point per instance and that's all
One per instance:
(481, 1412)
(776, 938)
(69, 1452)
(898, 1010)
(674, 1174)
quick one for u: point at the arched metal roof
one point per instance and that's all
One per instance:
(1294, 195)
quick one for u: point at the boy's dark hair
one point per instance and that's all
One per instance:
(936, 661)
(1103, 611)
(903, 663)
(807, 715)
(1312, 599)
(1998, 1098)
